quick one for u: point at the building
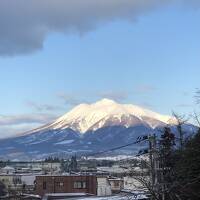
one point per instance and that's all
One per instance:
(10, 180)
(18, 182)
(28, 181)
(117, 184)
(36, 166)
(7, 170)
(66, 184)
(103, 187)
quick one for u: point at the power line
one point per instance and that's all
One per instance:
(139, 139)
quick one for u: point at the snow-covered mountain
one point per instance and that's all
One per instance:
(86, 129)
(87, 117)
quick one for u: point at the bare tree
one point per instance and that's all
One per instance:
(180, 120)
(197, 96)
(196, 118)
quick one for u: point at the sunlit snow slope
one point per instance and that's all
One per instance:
(85, 117)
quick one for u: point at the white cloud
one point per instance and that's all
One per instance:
(114, 95)
(144, 89)
(70, 99)
(14, 124)
(185, 105)
(9, 131)
(42, 107)
(25, 119)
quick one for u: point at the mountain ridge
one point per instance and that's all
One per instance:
(106, 124)
(84, 116)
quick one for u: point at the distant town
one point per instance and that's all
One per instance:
(56, 178)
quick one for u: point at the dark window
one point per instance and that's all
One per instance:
(59, 184)
(16, 180)
(116, 184)
(79, 184)
(44, 185)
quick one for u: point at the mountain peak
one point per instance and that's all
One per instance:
(105, 101)
(85, 117)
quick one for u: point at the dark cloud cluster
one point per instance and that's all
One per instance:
(24, 24)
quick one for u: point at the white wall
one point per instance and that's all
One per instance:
(28, 179)
(103, 187)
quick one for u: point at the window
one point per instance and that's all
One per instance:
(84, 184)
(79, 184)
(59, 184)
(16, 180)
(44, 185)
(116, 184)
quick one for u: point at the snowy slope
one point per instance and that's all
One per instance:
(85, 117)
(89, 128)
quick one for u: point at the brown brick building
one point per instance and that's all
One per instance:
(66, 184)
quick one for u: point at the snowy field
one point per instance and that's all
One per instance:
(139, 197)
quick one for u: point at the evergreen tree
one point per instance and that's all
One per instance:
(166, 162)
(187, 169)
(73, 166)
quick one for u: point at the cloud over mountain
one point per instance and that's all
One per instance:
(24, 25)
(25, 119)
(13, 124)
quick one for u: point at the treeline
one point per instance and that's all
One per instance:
(174, 167)
(53, 159)
(186, 168)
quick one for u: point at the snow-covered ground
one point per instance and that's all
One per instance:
(120, 157)
(125, 197)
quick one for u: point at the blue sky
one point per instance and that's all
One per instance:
(152, 61)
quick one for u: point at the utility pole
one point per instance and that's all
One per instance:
(152, 174)
(154, 161)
